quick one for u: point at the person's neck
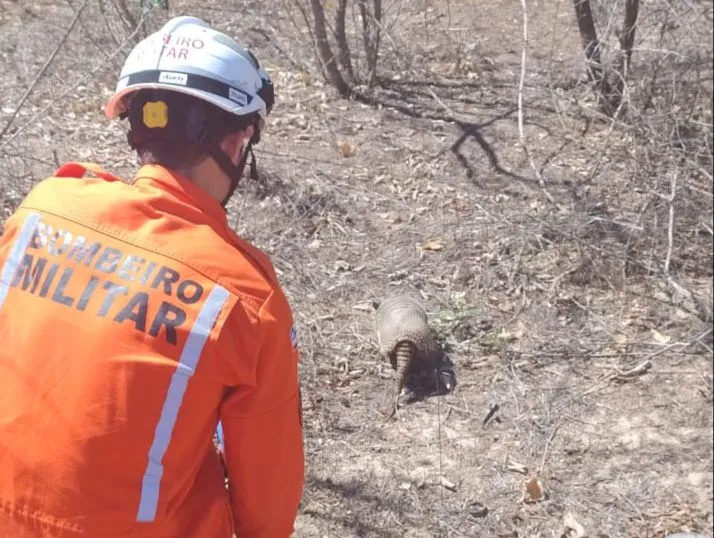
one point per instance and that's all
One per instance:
(208, 176)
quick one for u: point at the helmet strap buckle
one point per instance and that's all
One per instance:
(235, 173)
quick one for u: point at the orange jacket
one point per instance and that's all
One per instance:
(132, 320)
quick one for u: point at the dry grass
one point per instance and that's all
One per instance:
(581, 313)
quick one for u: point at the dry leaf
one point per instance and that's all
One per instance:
(431, 244)
(572, 529)
(347, 149)
(661, 338)
(533, 490)
(507, 336)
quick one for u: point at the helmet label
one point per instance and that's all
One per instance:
(169, 77)
(237, 96)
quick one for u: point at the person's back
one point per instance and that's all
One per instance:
(132, 320)
(119, 298)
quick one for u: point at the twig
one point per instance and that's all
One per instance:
(521, 84)
(670, 228)
(638, 370)
(126, 17)
(490, 415)
(274, 41)
(546, 448)
(90, 36)
(699, 306)
(43, 69)
(108, 26)
(81, 81)
(306, 18)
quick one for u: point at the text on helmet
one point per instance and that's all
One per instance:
(178, 47)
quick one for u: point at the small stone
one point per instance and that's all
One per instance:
(478, 510)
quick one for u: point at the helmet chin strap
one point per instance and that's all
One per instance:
(235, 173)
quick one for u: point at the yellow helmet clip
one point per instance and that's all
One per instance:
(155, 114)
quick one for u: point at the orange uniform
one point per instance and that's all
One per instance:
(132, 320)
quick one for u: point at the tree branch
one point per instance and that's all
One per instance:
(43, 69)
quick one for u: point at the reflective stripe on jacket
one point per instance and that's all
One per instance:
(132, 320)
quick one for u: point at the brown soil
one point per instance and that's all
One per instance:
(550, 298)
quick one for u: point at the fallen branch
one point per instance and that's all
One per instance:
(626, 375)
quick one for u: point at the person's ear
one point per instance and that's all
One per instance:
(234, 143)
(232, 146)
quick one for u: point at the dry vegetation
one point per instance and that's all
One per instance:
(572, 283)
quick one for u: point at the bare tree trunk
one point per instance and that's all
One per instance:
(343, 48)
(364, 15)
(376, 39)
(325, 52)
(627, 40)
(371, 34)
(588, 36)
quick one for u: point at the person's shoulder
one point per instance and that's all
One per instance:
(56, 187)
(249, 273)
(48, 187)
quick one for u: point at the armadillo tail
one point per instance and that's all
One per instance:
(405, 353)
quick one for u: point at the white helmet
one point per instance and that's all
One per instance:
(188, 56)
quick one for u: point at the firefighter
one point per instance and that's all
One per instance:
(134, 322)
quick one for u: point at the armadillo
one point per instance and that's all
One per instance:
(405, 337)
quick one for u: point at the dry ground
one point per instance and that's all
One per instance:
(553, 301)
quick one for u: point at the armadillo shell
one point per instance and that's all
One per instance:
(401, 318)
